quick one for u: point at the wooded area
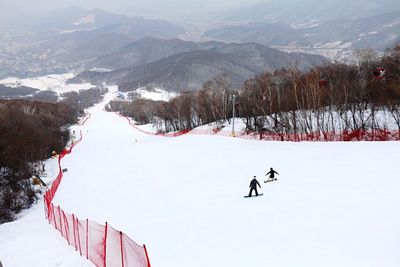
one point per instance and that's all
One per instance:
(29, 132)
(332, 98)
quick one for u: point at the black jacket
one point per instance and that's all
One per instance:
(254, 183)
(272, 173)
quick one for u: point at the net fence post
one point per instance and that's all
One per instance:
(122, 248)
(147, 256)
(66, 227)
(59, 215)
(87, 239)
(53, 215)
(79, 237)
(74, 227)
(105, 245)
(45, 209)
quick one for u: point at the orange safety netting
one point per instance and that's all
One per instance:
(101, 244)
(354, 135)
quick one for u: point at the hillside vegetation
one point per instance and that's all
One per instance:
(335, 98)
(29, 132)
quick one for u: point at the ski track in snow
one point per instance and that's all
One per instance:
(334, 204)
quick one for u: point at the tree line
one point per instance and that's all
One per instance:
(335, 98)
(29, 132)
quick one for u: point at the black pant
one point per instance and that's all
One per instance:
(251, 191)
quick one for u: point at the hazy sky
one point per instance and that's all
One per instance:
(11, 7)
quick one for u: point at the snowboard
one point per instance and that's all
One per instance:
(254, 195)
(270, 180)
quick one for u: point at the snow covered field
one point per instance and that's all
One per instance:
(155, 94)
(58, 83)
(53, 82)
(334, 204)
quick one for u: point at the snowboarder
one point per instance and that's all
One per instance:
(253, 186)
(272, 173)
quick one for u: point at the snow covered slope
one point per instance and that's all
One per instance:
(31, 241)
(334, 204)
(156, 94)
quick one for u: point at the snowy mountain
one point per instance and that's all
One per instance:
(313, 32)
(304, 11)
(309, 25)
(177, 65)
(65, 40)
(260, 32)
(145, 50)
(75, 19)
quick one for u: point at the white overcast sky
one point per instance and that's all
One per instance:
(18, 7)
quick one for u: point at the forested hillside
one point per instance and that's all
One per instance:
(335, 97)
(29, 132)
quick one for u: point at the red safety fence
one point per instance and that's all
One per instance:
(354, 135)
(174, 134)
(101, 244)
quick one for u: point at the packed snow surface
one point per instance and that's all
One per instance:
(31, 241)
(334, 204)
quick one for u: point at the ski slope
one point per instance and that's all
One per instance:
(31, 241)
(334, 204)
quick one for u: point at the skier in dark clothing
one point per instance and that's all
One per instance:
(253, 186)
(272, 173)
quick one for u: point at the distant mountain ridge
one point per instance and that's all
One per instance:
(180, 65)
(143, 51)
(304, 11)
(340, 35)
(65, 40)
(265, 33)
(74, 19)
(151, 49)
